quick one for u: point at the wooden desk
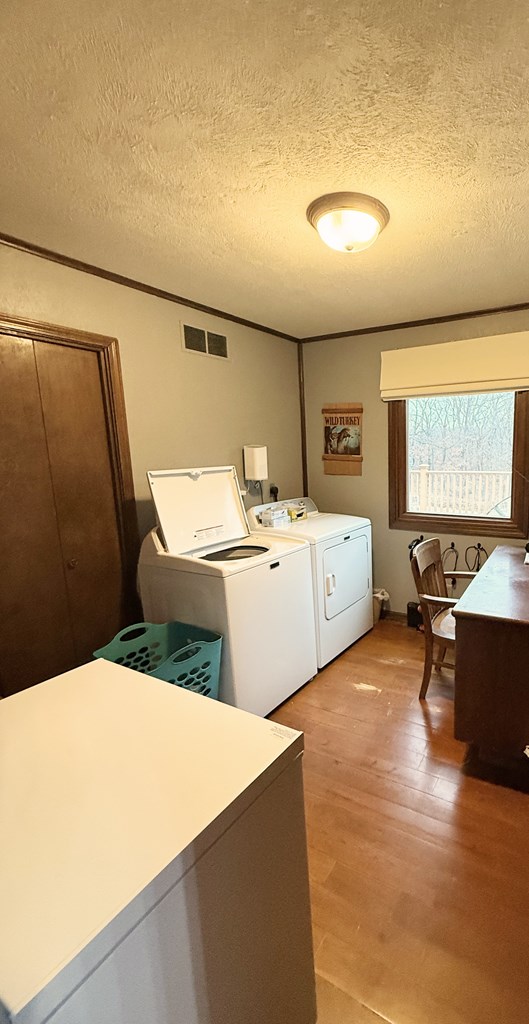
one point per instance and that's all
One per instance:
(492, 663)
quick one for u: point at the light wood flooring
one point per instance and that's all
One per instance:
(419, 873)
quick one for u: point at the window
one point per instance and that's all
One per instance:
(460, 463)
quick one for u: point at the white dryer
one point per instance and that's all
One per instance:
(341, 558)
(202, 565)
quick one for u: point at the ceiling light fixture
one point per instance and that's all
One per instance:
(348, 221)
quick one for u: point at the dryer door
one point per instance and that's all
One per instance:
(346, 573)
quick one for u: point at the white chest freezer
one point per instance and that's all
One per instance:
(153, 859)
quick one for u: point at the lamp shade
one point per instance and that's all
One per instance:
(348, 221)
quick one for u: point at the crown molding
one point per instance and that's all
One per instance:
(425, 322)
(130, 282)
(160, 293)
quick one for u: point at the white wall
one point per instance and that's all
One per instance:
(348, 370)
(183, 409)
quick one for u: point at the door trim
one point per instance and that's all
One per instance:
(107, 350)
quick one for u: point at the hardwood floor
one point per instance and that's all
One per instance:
(419, 873)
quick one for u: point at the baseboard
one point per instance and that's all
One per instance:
(395, 616)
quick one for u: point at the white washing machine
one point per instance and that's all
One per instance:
(341, 558)
(202, 565)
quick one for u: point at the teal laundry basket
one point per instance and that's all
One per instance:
(184, 655)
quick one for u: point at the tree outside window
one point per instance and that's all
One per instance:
(460, 463)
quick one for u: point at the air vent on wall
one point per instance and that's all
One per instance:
(195, 339)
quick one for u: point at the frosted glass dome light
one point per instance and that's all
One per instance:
(348, 221)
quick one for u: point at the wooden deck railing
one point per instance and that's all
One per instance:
(450, 493)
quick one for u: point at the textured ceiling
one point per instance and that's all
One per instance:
(180, 142)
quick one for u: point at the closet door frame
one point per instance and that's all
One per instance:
(107, 350)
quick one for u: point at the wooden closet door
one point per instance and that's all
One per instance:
(68, 532)
(85, 501)
(36, 639)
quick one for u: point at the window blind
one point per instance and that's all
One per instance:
(499, 363)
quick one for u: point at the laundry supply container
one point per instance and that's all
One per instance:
(184, 655)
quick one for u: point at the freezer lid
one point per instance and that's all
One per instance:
(105, 808)
(198, 507)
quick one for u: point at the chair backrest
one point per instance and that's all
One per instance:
(427, 569)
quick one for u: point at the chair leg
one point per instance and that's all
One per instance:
(428, 661)
(441, 658)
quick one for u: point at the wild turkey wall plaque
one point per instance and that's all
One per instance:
(342, 431)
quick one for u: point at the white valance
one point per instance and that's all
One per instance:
(500, 363)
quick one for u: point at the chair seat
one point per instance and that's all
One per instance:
(439, 623)
(444, 626)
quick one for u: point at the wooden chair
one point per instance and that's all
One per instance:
(436, 606)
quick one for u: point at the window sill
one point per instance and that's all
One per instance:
(477, 527)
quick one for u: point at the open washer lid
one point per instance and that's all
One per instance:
(198, 507)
